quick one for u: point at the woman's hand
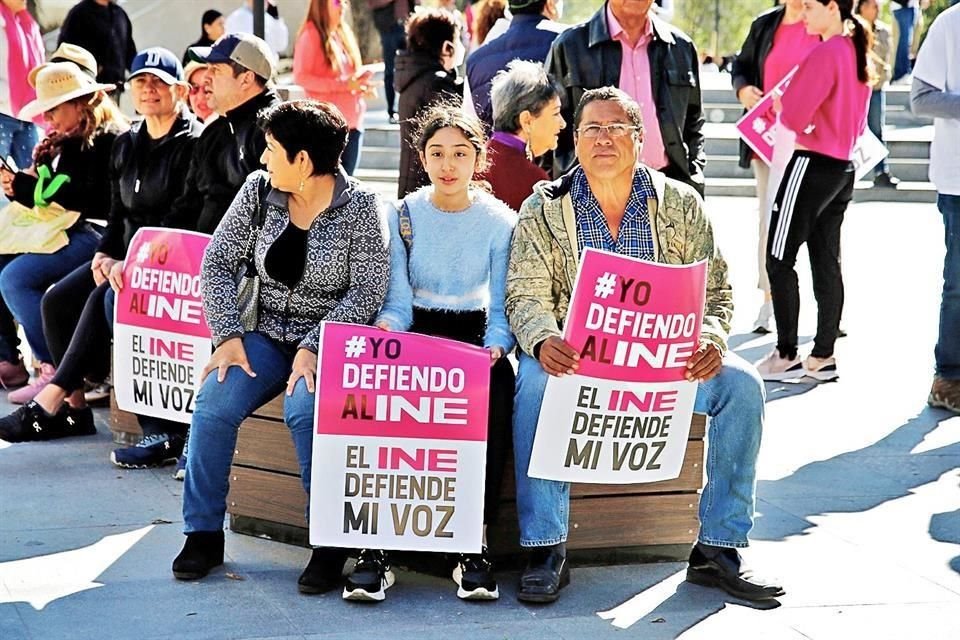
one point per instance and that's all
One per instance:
(230, 353)
(382, 325)
(304, 366)
(749, 96)
(777, 103)
(116, 275)
(98, 275)
(6, 181)
(495, 354)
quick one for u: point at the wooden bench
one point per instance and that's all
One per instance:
(607, 522)
(655, 520)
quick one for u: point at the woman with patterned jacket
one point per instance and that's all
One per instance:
(321, 254)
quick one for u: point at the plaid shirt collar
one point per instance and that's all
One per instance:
(635, 238)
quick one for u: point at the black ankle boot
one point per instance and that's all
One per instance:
(202, 551)
(324, 571)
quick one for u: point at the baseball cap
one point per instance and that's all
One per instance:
(159, 62)
(245, 49)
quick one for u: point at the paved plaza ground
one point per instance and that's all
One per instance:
(858, 507)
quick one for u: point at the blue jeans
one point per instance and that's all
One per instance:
(878, 107)
(24, 278)
(219, 410)
(17, 140)
(351, 153)
(947, 352)
(391, 40)
(733, 400)
(906, 18)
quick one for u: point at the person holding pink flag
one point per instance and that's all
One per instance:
(825, 105)
(777, 42)
(614, 203)
(449, 246)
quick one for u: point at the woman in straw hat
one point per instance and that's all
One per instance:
(83, 124)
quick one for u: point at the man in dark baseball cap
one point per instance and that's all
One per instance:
(240, 67)
(243, 49)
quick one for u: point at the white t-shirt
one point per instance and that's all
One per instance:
(275, 30)
(938, 64)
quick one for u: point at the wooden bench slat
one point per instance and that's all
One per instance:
(595, 522)
(266, 444)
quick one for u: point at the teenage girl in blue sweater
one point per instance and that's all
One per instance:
(448, 278)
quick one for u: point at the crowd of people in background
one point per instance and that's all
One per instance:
(559, 138)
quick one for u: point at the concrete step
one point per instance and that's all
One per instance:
(727, 166)
(380, 158)
(897, 115)
(903, 142)
(384, 182)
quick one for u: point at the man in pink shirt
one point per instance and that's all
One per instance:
(625, 45)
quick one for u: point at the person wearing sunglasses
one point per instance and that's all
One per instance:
(622, 206)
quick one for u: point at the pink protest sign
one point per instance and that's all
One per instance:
(161, 339)
(758, 127)
(634, 320)
(400, 441)
(624, 417)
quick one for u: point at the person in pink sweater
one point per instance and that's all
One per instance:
(825, 106)
(327, 64)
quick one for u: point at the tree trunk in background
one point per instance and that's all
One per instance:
(367, 37)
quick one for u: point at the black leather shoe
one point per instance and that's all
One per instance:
(323, 572)
(546, 573)
(724, 568)
(202, 551)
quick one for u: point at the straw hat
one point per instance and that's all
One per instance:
(59, 82)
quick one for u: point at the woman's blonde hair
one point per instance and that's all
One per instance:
(98, 113)
(318, 14)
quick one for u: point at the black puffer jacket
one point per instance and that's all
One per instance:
(227, 152)
(146, 176)
(748, 65)
(421, 81)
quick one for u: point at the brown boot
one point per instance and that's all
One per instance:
(945, 393)
(13, 374)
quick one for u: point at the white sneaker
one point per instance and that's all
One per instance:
(762, 323)
(822, 369)
(774, 368)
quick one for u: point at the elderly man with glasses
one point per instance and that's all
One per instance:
(613, 202)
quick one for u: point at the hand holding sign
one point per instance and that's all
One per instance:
(557, 357)
(704, 363)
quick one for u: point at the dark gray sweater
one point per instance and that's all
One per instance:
(344, 280)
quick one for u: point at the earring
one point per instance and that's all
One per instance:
(526, 147)
(301, 185)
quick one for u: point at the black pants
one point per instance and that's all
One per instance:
(78, 335)
(809, 208)
(469, 327)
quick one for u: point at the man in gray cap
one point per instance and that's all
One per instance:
(532, 30)
(240, 69)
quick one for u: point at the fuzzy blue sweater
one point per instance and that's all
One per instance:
(457, 262)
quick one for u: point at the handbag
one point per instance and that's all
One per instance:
(41, 228)
(248, 280)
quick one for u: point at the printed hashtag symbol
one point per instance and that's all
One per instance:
(605, 285)
(144, 253)
(355, 347)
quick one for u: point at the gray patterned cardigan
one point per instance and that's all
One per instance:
(345, 276)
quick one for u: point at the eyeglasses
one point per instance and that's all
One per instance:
(615, 130)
